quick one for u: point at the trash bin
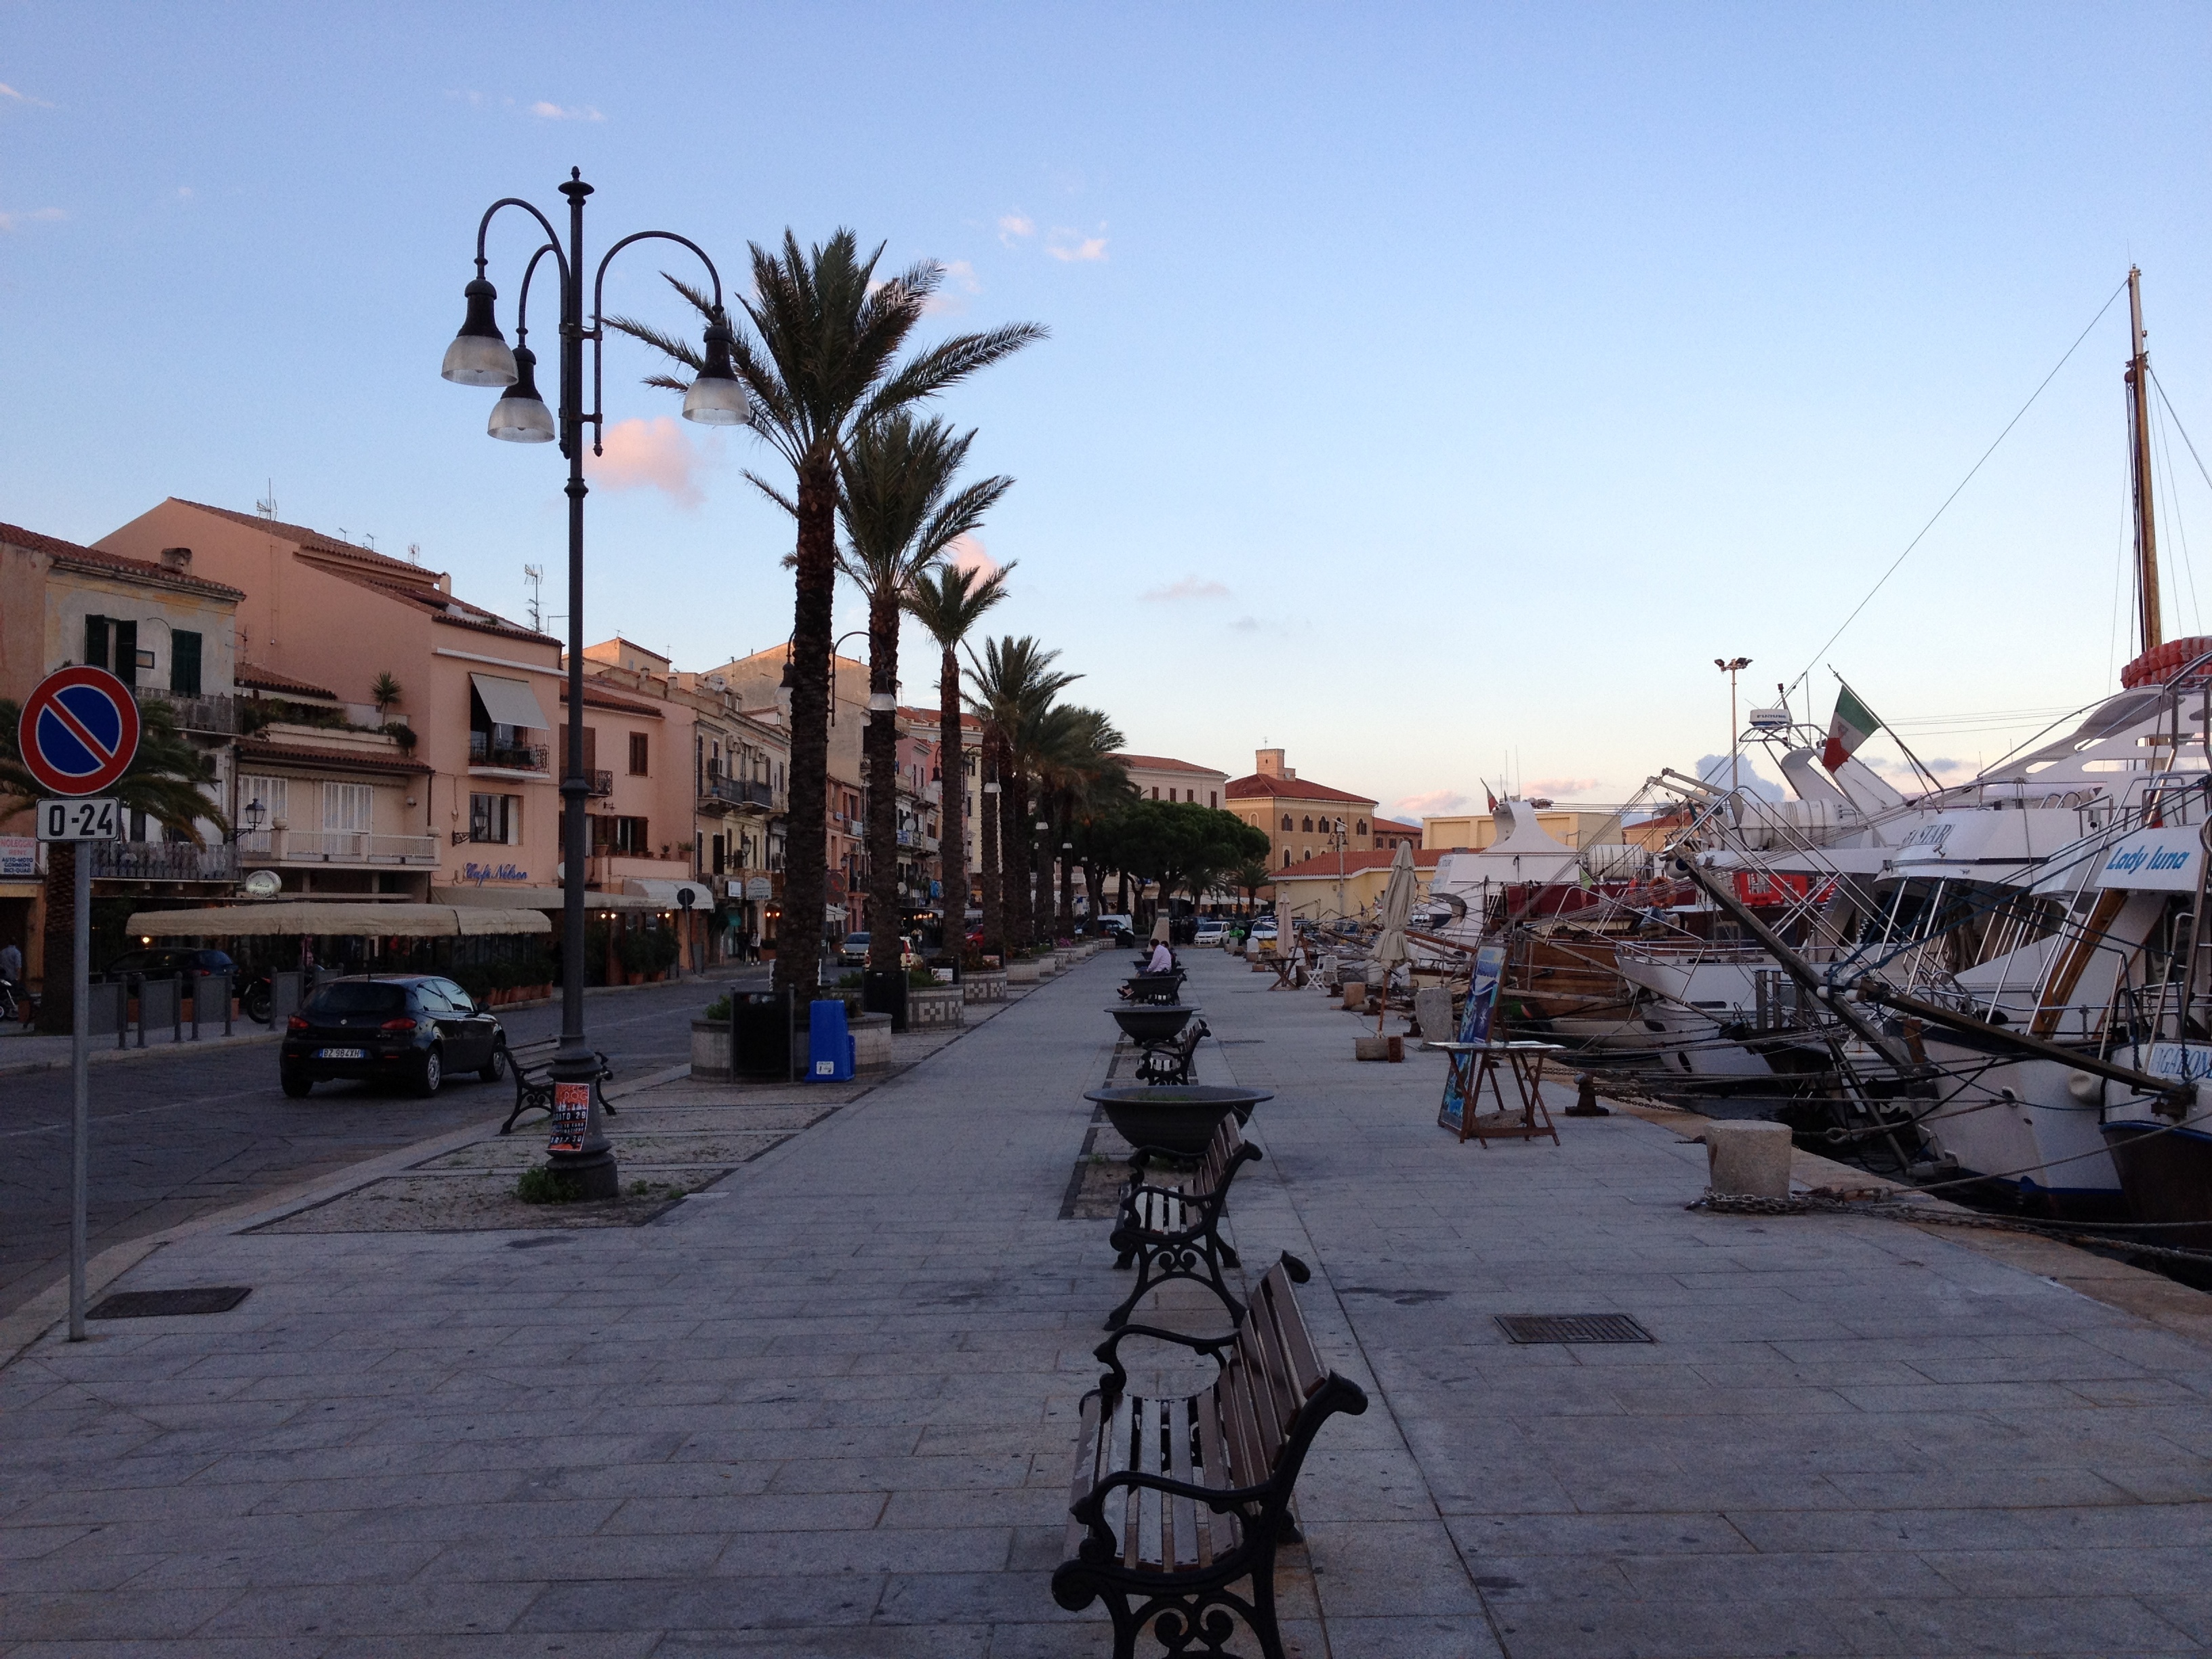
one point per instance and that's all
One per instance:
(883, 990)
(760, 1035)
(830, 1056)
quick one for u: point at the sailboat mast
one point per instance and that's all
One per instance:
(2138, 384)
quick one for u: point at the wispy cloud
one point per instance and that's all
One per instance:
(550, 112)
(1246, 624)
(968, 553)
(8, 92)
(1190, 587)
(1016, 226)
(1434, 804)
(1569, 787)
(649, 454)
(960, 281)
(1074, 247)
(15, 221)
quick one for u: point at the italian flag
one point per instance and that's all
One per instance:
(1852, 724)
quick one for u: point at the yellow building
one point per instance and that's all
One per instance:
(1321, 889)
(1470, 832)
(1301, 819)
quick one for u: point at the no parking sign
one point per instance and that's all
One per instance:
(78, 732)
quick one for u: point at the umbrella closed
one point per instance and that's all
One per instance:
(1397, 910)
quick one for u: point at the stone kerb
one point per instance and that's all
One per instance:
(1030, 973)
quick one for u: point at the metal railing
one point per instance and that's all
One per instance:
(603, 783)
(337, 846)
(739, 792)
(215, 714)
(514, 757)
(160, 860)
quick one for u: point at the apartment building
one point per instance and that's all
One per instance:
(1157, 777)
(1300, 816)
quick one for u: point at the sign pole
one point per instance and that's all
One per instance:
(80, 1083)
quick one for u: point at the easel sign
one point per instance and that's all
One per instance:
(1474, 1027)
(572, 1117)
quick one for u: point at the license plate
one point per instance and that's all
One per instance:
(341, 1053)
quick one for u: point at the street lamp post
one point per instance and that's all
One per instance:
(1732, 668)
(479, 357)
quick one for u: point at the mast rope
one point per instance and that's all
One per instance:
(1962, 485)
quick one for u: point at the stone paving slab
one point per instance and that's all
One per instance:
(826, 1407)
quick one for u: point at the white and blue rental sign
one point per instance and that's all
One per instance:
(2154, 860)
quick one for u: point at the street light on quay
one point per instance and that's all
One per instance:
(480, 356)
(1732, 667)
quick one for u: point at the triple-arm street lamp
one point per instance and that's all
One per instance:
(1732, 668)
(479, 357)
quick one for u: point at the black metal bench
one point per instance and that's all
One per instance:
(1170, 1060)
(1172, 1229)
(1178, 1499)
(531, 1065)
(1153, 987)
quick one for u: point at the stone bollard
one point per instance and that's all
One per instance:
(1749, 1160)
(1355, 995)
(1432, 1013)
(1371, 1048)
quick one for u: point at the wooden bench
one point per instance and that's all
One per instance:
(1178, 1499)
(531, 1065)
(1172, 1229)
(1171, 1061)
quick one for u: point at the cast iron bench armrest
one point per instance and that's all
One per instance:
(533, 1081)
(1116, 1383)
(1194, 1250)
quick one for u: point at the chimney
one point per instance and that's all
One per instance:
(177, 558)
(1270, 763)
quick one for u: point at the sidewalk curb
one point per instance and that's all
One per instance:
(22, 1330)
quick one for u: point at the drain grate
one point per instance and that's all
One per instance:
(163, 1304)
(1573, 1327)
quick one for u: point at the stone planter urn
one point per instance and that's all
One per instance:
(1068, 958)
(710, 1049)
(984, 985)
(934, 1008)
(872, 1042)
(1028, 973)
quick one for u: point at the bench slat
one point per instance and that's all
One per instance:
(1151, 1508)
(1087, 1473)
(1283, 1394)
(1121, 1507)
(1186, 1542)
(1221, 1529)
(1298, 1341)
(1259, 1400)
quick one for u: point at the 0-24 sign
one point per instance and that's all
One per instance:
(79, 820)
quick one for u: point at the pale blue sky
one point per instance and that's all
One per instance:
(1469, 378)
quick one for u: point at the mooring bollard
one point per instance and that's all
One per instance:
(1748, 1159)
(1586, 1097)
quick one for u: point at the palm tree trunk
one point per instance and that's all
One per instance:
(1067, 867)
(989, 823)
(807, 854)
(879, 740)
(953, 804)
(1014, 854)
(57, 990)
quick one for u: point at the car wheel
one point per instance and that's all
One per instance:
(495, 1068)
(297, 1084)
(430, 1073)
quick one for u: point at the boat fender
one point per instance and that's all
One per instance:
(2090, 1091)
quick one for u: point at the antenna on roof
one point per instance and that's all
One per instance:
(370, 539)
(266, 507)
(533, 578)
(414, 552)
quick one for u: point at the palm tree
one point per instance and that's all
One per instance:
(163, 782)
(820, 364)
(1014, 687)
(1078, 775)
(948, 601)
(901, 512)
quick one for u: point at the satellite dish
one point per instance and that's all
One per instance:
(264, 885)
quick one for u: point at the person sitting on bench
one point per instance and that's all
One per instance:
(1163, 960)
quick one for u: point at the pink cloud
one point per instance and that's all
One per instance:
(1556, 786)
(1437, 803)
(1190, 587)
(649, 454)
(1073, 247)
(967, 553)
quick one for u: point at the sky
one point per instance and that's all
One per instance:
(1432, 392)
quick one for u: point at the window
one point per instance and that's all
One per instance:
(1287, 858)
(270, 792)
(638, 750)
(1156, 792)
(184, 662)
(1360, 828)
(624, 837)
(718, 846)
(1213, 798)
(1287, 825)
(496, 818)
(347, 808)
(591, 752)
(112, 645)
(1308, 826)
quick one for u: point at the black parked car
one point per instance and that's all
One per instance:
(414, 1029)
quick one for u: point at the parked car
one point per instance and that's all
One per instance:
(411, 1029)
(1209, 931)
(1262, 931)
(854, 952)
(1118, 927)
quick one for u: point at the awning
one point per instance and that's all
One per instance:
(352, 920)
(510, 702)
(548, 900)
(668, 895)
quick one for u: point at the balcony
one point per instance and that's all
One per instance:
(339, 847)
(739, 792)
(508, 756)
(603, 783)
(213, 716)
(162, 860)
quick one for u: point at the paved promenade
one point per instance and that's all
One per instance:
(826, 1407)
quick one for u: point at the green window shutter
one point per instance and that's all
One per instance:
(95, 641)
(126, 666)
(184, 662)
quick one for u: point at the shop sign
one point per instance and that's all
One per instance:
(19, 857)
(481, 873)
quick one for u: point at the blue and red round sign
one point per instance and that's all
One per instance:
(78, 731)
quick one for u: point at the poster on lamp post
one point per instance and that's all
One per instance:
(572, 1117)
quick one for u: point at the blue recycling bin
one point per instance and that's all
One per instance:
(829, 1057)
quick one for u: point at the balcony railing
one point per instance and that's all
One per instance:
(740, 792)
(216, 715)
(603, 783)
(511, 756)
(338, 847)
(162, 860)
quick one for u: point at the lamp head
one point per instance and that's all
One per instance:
(478, 355)
(520, 417)
(717, 397)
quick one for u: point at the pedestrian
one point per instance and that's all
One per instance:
(11, 964)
